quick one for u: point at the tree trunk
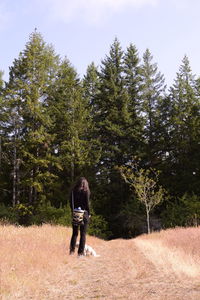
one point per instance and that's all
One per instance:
(17, 181)
(16, 163)
(30, 196)
(73, 162)
(14, 177)
(72, 171)
(148, 221)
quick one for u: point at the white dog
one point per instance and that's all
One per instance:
(88, 250)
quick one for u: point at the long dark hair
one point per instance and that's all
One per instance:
(82, 184)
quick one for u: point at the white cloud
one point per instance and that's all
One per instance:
(117, 4)
(91, 11)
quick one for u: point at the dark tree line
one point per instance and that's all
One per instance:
(56, 126)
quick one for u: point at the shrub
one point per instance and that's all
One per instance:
(7, 215)
(23, 213)
(184, 211)
(98, 226)
(51, 214)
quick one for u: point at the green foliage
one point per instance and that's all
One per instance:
(27, 123)
(7, 215)
(152, 95)
(114, 117)
(132, 83)
(184, 135)
(98, 227)
(1, 80)
(73, 143)
(24, 214)
(50, 214)
(131, 220)
(185, 211)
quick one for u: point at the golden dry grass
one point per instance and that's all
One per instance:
(34, 264)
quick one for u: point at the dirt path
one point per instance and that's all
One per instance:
(122, 271)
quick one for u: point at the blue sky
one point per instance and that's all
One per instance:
(83, 30)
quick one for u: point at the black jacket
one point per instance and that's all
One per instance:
(81, 199)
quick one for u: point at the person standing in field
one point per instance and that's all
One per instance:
(79, 200)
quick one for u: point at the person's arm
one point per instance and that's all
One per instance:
(88, 203)
(70, 201)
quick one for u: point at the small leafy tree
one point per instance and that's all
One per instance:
(145, 184)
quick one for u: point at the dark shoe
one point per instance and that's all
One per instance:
(71, 252)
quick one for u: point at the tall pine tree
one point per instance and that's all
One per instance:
(132, 83)
(28, 122)
(152, 95)
(73, 145)
(185, 134)
(114, 125)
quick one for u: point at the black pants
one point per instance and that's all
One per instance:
(83, 230)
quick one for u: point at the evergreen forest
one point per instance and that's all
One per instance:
(56, 127)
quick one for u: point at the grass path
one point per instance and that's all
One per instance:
(126, 269)
(123, 272)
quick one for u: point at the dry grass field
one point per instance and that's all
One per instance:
(35, 264)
